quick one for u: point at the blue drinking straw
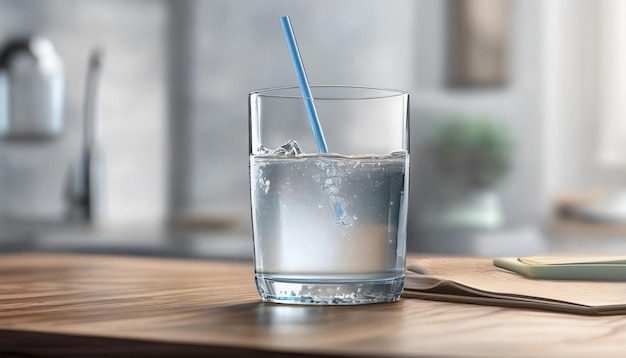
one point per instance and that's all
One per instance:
(307, 97)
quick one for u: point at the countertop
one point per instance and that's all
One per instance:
(154, 240)
(98, 305)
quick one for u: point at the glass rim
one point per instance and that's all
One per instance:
(378, 92)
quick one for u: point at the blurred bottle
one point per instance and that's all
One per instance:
(32, 87)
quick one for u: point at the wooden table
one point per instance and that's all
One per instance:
(92, 306)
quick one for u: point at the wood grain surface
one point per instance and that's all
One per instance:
(84, 306)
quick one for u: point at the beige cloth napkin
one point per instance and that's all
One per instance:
(478, 281)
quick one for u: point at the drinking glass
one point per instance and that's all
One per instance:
(329, 228)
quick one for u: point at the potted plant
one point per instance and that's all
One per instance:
(471, 156)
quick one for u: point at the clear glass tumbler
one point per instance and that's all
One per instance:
(329, 228)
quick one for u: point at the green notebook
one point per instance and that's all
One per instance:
(566, 268)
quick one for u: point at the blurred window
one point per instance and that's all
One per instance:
(612, 81)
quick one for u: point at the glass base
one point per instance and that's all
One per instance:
(330, 292)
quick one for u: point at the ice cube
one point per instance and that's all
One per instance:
(262, 150)
(290, 149)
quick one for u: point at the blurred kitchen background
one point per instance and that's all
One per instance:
(517, 120)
